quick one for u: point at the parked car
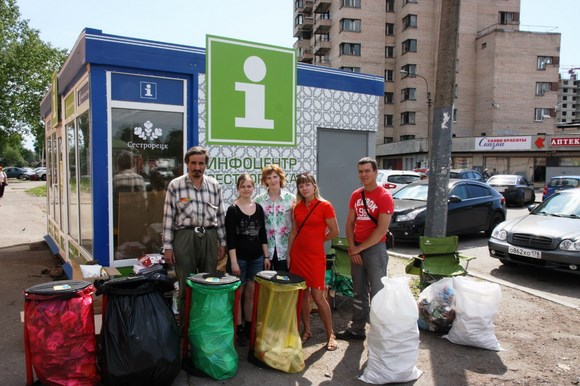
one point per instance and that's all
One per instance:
(466, 174)
(15, 172)
(548, 237)
(28, 174)
(41, 173)
(393, 180)
(559, 183)
(516, 189)
(473, 206)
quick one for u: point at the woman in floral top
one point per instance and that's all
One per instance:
(277, 204)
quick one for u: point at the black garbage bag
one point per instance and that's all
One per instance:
(139, 336)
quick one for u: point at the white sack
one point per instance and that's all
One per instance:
(393, 339)
(476, 304)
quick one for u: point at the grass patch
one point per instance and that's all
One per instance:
(39, 191)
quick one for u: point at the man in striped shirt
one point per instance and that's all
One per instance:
(194, 236)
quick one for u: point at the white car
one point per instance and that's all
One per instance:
(41, 173)
(393, 180)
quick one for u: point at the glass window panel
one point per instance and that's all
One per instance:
(147, 154)
(73, 199)
(85, 177)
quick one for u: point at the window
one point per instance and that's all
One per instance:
(543, 61)
(351, 69)
(351, 3)
(352, 25)
(389, 29)
(299, 4)
(405, 2)
(408, 118)
(299, 19)
(350, 49)
(390, 5)
(408, 94)
(509, 18)
(388, 98)
(387, 139)
(409, 45)
(389, 76)
(409, 21)
(542, 87)
(389, 52)
(410, 69)
(388, 120)
(454, 117)
(543, 113)
(407, 137)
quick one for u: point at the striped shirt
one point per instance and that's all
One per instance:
(186, 206)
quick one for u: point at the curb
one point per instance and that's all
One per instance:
(504, 283)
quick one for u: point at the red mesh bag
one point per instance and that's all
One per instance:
(59, 333)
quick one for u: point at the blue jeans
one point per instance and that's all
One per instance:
(366, 282)
(249, 268)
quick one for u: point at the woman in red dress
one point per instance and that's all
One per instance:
(314, 222)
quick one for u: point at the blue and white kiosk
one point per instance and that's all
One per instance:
(121, 113)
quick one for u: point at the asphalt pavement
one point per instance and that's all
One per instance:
(26, 261)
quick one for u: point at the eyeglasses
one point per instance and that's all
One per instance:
(304, 175)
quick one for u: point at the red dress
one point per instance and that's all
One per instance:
(308, 258)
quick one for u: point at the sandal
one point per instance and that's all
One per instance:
(332, 344)
(305, 337)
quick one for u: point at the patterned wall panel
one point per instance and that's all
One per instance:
(316, 108)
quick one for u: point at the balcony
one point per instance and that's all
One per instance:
(305, 6)
(308, 4)
(322, 25)
(322, 5)
(304, 26)
(321, 46)
(305, 56)
(322, 61)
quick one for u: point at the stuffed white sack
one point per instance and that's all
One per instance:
(393, 338)
(476, 304)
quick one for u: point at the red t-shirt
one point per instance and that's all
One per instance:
(378, 201)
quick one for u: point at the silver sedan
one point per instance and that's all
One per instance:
(549, 236)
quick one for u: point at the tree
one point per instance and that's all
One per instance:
(26, 65)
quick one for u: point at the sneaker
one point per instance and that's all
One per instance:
(349, 335)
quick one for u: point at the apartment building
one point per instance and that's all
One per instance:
(506, 81)
(568, 106)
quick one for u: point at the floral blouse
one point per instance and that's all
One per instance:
(278, 221)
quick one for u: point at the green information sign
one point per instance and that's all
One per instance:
(251, 93)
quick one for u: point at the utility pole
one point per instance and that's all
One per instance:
(440, 144)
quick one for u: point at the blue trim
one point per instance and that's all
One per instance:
(193, 112)
(67, 268)
(100, 170)
(51, 244)
(146, 89)
(329, 78)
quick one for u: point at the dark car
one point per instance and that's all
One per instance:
(466, 174)
(559, 183)
(473, 206)
(15, 172)
(516, 189)
(548, 237)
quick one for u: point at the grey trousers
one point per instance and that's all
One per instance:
(193, 253)
(366, 282)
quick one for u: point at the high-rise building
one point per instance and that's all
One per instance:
(568, 106)
(506, 79)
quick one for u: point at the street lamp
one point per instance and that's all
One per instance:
(429, 103)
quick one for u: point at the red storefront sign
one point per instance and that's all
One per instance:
(572, 141)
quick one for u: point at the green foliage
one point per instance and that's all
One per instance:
(12, 157)
(26, 65)
(39, 191)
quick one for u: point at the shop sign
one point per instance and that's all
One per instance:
(69, 105)
(54, 99)
(573, 141)
(251, 93)
(503, 143)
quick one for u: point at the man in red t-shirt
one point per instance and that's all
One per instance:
(366, 230)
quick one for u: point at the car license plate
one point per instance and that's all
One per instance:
(525, 252)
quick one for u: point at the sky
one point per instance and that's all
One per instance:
(187, 22)
(265, 21)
